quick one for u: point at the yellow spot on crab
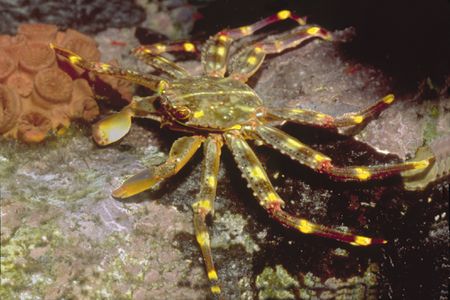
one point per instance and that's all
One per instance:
(305, 227)
(320, 158)
(212, 275)
(283, 14)
(202, 238)
(294, 143)
(220, 51)
(212, 181)
(357, 119)
(246, 30)
(189, 47)
(272, 197)
(257, 172)
(313, 30)
(74, 59)
(251, 60)
(362, 241)
(389, 99)
(362, 173)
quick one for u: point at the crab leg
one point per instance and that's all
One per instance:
(296, 150)
(150, 81)
(244, 31)
(308, 117)
(248, 60)
(159, 48)
(181, 152)
(215, 51)
(205, 204)
(215, 55)
(259, 182)
(147, 55)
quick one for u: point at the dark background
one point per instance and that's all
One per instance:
(409, 40)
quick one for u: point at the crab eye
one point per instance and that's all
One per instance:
(157, 103)
(182, 113)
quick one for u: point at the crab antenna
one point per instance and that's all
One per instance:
(150, 81)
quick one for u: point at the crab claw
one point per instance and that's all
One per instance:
(112, 128)
(136, 184)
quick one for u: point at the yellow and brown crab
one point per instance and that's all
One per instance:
(213, 109)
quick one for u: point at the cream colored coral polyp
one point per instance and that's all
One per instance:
(10, 108)
(7, 65)
(38, 32)
(36, 56)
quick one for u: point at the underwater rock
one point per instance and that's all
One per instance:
(86, 15)
(173, 19)
(364, 286)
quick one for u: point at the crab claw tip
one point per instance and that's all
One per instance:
(119, 193)
(112, 128)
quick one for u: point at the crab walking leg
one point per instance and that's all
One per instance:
(205, 204)
(215, 51)
(247, 61)
(290, 146)
(214, 55)
(181, 152)
(150, 81)
(160, 48)
(308, 117)
(296, 150)
(259, 182)
(363, 173)
(160, 63)
(247, 30)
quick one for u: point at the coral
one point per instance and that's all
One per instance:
(7, 65)
(38, 32)
(87, 48)
(83, 104)
(80, 43)
(36, 96)
(52, 86)
(33, 127)
(9, 108)
(39, 95)
(36, 56)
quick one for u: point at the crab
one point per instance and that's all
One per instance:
(219, 108)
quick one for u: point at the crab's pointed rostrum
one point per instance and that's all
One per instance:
(219, 108)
